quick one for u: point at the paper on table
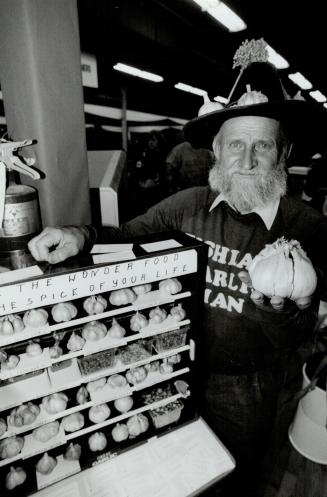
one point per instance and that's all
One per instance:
(20, 274)
(103, 481)
(63, 489)
(105, 248)
(163, 245)
(113, 257)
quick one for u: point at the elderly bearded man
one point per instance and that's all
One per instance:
(247, 342)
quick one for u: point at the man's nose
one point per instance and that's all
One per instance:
(249, 159)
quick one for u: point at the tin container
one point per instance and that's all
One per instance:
(21, 220)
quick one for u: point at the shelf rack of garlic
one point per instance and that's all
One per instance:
(77, 417)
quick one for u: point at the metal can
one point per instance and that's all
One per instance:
(22, 218)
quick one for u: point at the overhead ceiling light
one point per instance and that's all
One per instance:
(325, 105)
(276, 59)
(317, 95)
(220, 99)
(190, 89)
(222, 13)
(138, 72)
(300, 80)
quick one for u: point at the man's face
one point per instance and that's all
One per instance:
(247, 155)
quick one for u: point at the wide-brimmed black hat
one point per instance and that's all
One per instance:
(305, 122)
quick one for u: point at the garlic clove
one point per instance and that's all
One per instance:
(305, 278)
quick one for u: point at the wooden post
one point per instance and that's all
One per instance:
(41, 82)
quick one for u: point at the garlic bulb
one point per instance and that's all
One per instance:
(82, 395)
(11, 324)
(45, 432)
(136, 375)
(24, 414)
(54, 403)
(6, 327)
(46, 464)
(15, 477)
(116, 381)
(95, 385)
(97, 441)
(95, 304)
(116, 330)
(283, 269)
(119, 432)
(142, 289)
(124, 404)
(55, 351)
(3, 356)
(11, 362)
(11, 446)
(73, 452)
(64, 311)
(99, 413)
(138, 321)
(35, 318)
(177, 313)
(75, 342)
(170, 286)
(166, 368)
(94, 330)
(157, 315)
(73, 422)
(137, 424)
(3, 427)
(33, 349)
(123, 296)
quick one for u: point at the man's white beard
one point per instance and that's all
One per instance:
(245, 192)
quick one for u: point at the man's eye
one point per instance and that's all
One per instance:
(235, 145)
(262, 146)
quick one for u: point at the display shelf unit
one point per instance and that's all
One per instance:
(145, 378)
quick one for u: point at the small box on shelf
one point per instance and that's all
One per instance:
(168, 414)
(171, 340)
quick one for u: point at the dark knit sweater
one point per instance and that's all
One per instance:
(237, 336)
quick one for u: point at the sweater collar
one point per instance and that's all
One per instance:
(267, 213)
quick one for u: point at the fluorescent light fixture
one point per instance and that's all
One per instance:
(220, 99)
(276, 59)
(317, 95)
(190, 89)
(300, 80)
(138, 72)
(325, 105)
(222, 13)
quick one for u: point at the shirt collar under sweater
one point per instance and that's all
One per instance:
(267, 213)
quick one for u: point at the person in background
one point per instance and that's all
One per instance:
(187, 166)
(315, 186)
(147, 174)
(249, 342)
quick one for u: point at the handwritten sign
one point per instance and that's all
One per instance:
(45, 291)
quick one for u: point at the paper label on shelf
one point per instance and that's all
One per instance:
(106, 248)
(61, 288)
(20, 274)
(163, 245)
(113, 257)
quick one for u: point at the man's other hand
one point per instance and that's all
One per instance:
(57, 244)
(277, 302)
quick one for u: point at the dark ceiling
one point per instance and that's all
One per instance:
(175, 39)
